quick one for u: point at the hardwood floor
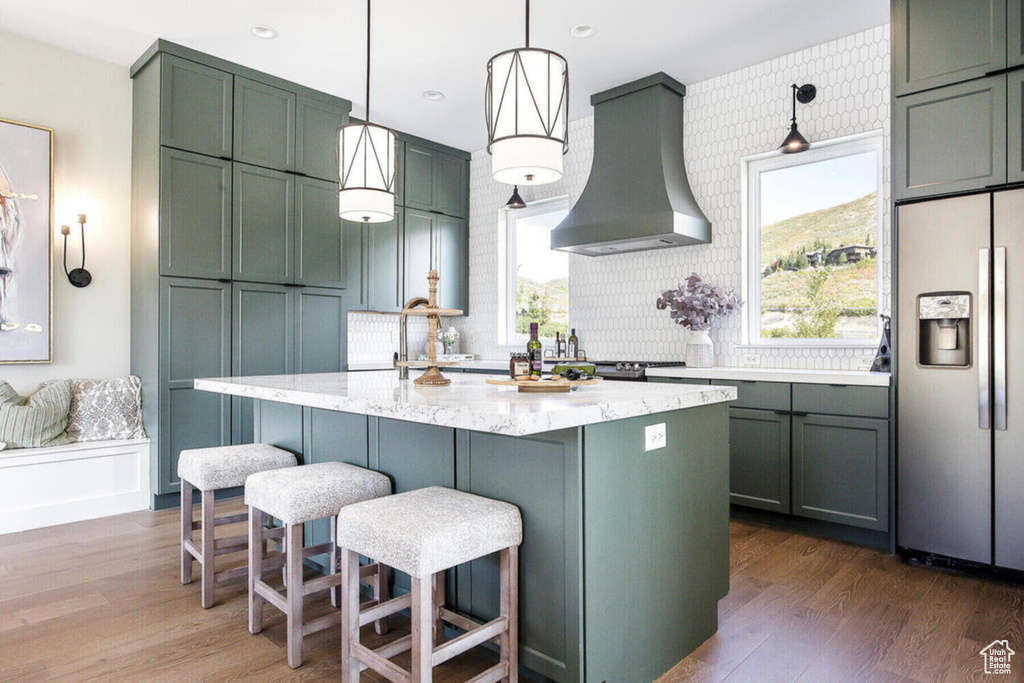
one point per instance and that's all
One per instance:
(101, 601)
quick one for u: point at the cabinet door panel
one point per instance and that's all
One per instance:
(384, 277)
(195, 215)
(450, 185)
(419, 176)
(262, 342)
(195, 107)
(419, 252)
(356, 264)
(451, 260)
(759, 459)
(841, 470)
(940, 42)
(951, 139)
(195, 341)
(319, 239)
(331, 436)
(263, 230)
(316, 129)
(264, 125)
(1014, 32)
(759, 395)
(321, 330)
(1015, 127)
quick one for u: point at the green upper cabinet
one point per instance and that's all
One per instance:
(435, 181)
(419, 252)
(950, 139)
(195, 107)
(400, 172)
(320, 257)
(195, 215)
(354, 249)
(321, 330)
(1015, 127)
(1014, 32)
(451, 260)
(264, 125)
(940, 42)
(263, 228)
(383, 264)
(316, 127)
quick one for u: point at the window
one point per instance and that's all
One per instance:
(813, 226)
(534, 279)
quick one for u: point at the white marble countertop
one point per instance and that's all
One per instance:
(850, 377)
(468, 402)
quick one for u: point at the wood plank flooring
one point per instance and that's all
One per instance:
(101, 601)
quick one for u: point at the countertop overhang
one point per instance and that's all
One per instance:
(468, 402)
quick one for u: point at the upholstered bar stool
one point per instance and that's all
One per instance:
(295, 496)
(211, 470)
(423, 533)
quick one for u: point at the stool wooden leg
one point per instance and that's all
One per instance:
(422, 615)
(508, 561)
(186, 531)
(439, 599)
(207, 562)
(293, 590)
(257, 549)
(382, 592)
(336, 590)
(349, 615)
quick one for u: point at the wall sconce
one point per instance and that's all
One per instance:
(79, 277)
(795, 142)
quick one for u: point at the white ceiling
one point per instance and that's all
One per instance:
(444, 45)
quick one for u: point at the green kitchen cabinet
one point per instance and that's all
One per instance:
(320, 257)
(841, 470)
(262, 342)
(383, 261)
(196, 107)
(437, 242)
(263, 231)
(435, 181)
(321, 329)
(759, 458)
(195, 215)
(950, 139)
(264, 130)
(195, 342)
(1014, 32)
(354, 249)
(941, 42)
(316, 127)
(418, 246)
(1015, 127)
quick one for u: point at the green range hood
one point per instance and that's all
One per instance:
(637, 197)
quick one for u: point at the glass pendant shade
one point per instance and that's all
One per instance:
(527, 102)
(366, 169)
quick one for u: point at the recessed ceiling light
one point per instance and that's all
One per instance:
(264, 32)
(433, 95)
(583, 30)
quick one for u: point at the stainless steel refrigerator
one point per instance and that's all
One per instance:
(960, 378)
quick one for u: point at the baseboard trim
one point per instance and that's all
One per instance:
(65, 512)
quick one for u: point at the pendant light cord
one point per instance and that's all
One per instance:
(794, 102)
(368, 64)
(527, 23)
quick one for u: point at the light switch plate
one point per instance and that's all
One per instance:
(654, 437)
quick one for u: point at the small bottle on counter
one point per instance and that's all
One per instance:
(559, 346)
(573, 349)
(535, 350)
(518, 366)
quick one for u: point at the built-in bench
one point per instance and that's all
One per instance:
(83, 480)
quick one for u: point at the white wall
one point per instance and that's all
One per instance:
(87, 103)
(611, 298)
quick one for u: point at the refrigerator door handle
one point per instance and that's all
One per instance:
(999, 337)
(984, 347)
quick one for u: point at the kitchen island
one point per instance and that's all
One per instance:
(625, 552)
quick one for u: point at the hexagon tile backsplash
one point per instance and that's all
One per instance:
(611, 298)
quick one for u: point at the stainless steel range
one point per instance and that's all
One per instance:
(630, 371)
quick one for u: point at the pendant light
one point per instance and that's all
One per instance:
(367, 165)
(515, 201)
(527, 110)
(795, 142)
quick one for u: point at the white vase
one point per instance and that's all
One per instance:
(700, 350)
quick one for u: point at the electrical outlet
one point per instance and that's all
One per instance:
(654, 437)
(865, 363)
(751, 360)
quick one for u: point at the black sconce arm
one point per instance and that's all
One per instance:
(79, 277)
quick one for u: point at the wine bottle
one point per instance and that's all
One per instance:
(559, 346)
(574, 345)
(534, 349)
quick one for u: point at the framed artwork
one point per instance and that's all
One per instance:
(26, 243)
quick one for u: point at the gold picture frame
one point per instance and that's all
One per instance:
(21, 180)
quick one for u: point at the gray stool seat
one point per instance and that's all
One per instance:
(426, 531)
(222, 467)
(302, 494)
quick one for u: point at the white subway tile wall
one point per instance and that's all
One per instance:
(373, 337)
(611, 298)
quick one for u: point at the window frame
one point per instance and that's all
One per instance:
(751, 168)
(507, 263)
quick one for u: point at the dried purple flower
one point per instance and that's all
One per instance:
(695, 303)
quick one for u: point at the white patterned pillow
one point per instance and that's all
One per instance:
(106, 409)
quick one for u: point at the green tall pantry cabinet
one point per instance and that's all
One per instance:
(238, 254)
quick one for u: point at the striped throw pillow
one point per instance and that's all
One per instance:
(38, 421)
